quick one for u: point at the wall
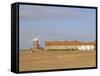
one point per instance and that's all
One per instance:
(77, 47)
(86, 47)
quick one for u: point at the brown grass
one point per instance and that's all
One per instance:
(44, 60)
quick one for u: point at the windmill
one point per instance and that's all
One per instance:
(35, 42)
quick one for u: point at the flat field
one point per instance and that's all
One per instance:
(47, 60)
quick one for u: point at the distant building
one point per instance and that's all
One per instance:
(69, 45)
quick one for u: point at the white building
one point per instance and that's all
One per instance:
(86, 47)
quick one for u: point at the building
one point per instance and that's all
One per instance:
(69, 45)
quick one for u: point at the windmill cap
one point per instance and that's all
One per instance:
(35, 39)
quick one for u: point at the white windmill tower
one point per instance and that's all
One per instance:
(35, 43)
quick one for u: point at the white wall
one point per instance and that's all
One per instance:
(79, 47)
(86, 47)
(5, 31)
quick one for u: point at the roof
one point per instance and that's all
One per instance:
(62, 43)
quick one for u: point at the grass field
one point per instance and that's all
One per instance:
(46, 60)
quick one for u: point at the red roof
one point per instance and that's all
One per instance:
(62, 43)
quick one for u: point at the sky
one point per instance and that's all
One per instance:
(55, 23)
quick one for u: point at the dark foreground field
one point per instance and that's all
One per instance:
(45, 60)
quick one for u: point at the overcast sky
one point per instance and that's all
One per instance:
(55, 23)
